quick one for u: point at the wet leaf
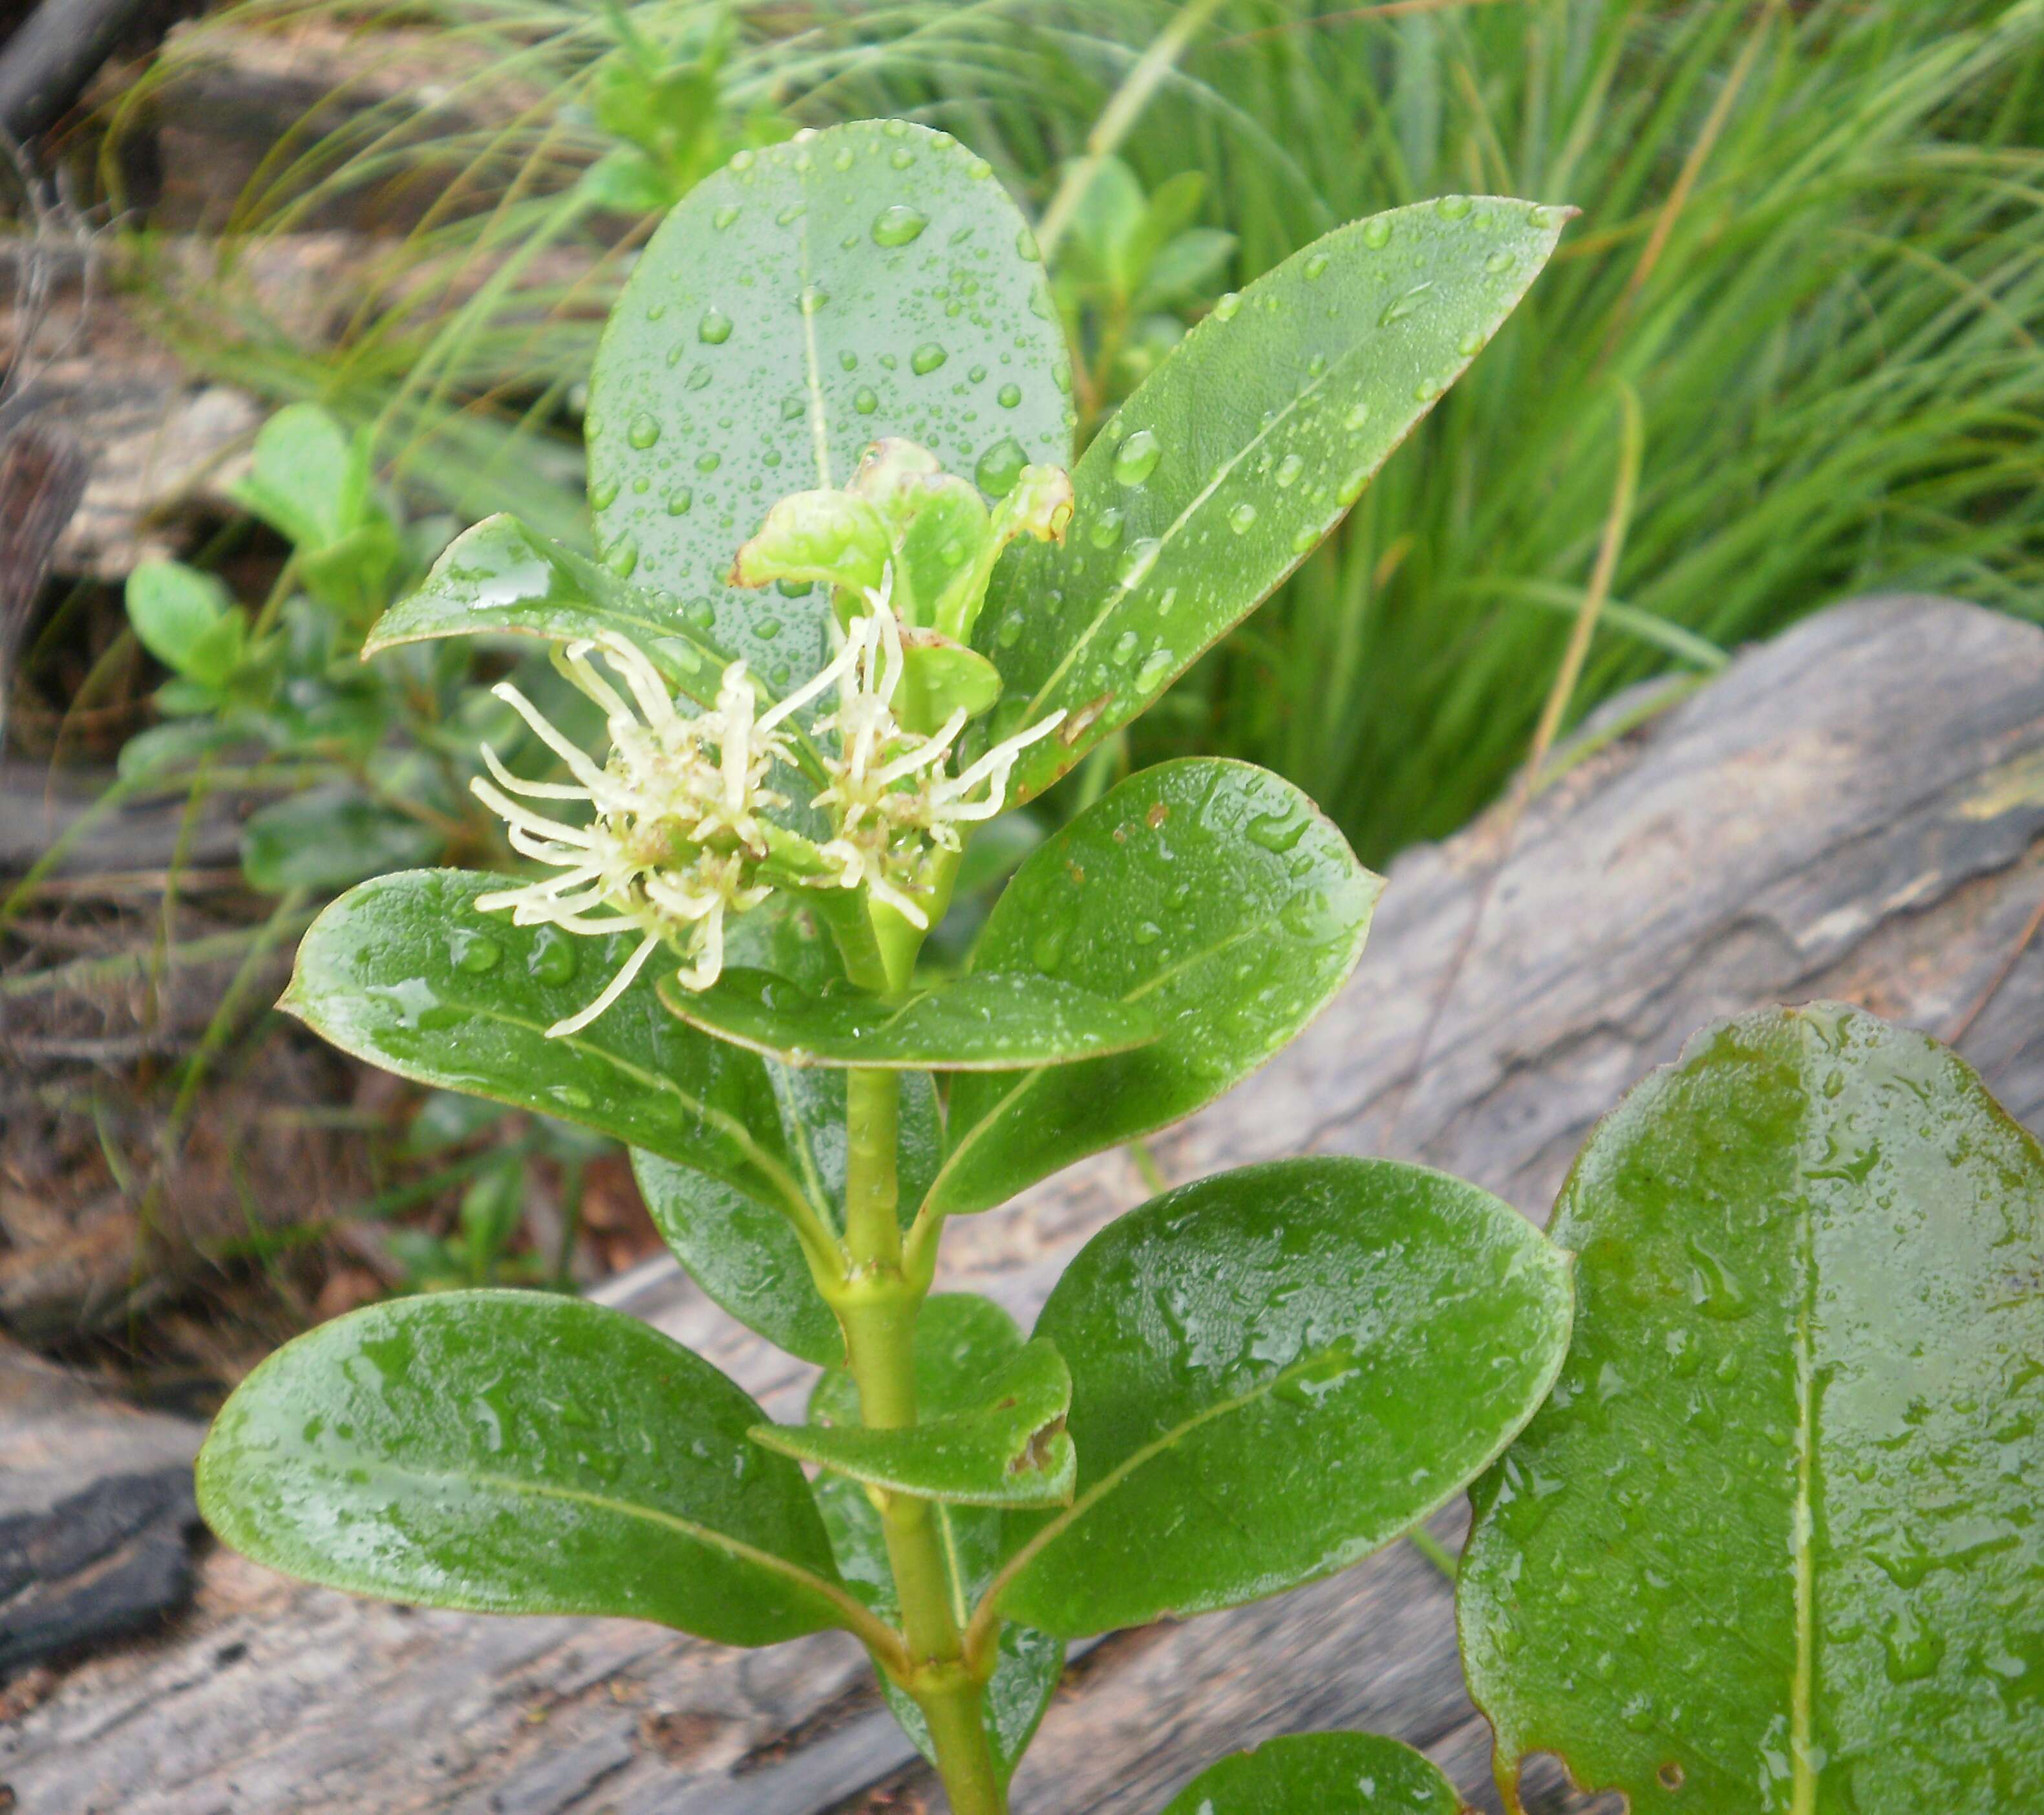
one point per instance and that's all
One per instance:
(743, 1250)
(501, 577)
(517, 1452)
(405, 972)
(1211, 893)
(1006, 1446)
(1275, 1372)
(1773, 1544)
(1320, 1774)
(871, 280)
(984, 1021)
(960, 1339)
(1239, 453)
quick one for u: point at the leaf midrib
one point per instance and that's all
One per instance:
(1336, 368)
(1170, 1439)
(375, 1465)
(773, 1171)
(1029, 1078)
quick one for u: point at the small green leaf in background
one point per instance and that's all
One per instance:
(1773, 1543)
(185, 619)
(986, 1021)
(517, 1452)
(493, 1209)
(329, 839)
(960, 1340)
(309, 480)
(1275, 1372)
(501, 578)
(873, 279)
(1006, 1448)
(1209, 893)
(1240, 453)
(743, 1250)
(1320, 1774)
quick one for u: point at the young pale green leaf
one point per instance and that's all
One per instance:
(1773, 1543)
(986, 1022)
(871, 280)
(329, 838)
(1209, 893)
(960, 1339)
(406, 972)
(1007, 1447)
(1274, 1371)
(1240, 453)
(184, 618)
(518, 1453)
(501, 578)
(307, 479)
(741, 1248)
(1320, 1774)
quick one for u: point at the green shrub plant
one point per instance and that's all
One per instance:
(847, 605)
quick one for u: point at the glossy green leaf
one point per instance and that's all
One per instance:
(501, 578)
(1275, 1372)
(1210, 893)
(960, 1339)
(1320, 1774)
(1240, 453)
(986, 1022)
(517, 1452)
(406, 972)
(328, 838)
(743, 1250)
(1006, 1448)
(873, 279)
(1774, 1543)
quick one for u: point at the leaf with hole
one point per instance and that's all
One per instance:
(960, 1340)
(1242, 450)
(1209, 893)
(1007, 1447)
(986, 1022)
(1773, 1543)
(872, 279)
(518, 1453)
(1320, 1774)
(1275, 1372)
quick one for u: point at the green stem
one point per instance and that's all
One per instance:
(876, 1306)
(953, 1702)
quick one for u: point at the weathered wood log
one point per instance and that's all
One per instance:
(1851, 811)
(96, 1513)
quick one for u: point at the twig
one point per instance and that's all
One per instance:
(1686, 179)
(1117, 119)
(1504, 830)
(1965, 1025)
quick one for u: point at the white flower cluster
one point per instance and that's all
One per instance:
(675, 841)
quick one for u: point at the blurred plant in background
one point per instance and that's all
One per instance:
(1812, 248)
(1812, 266)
